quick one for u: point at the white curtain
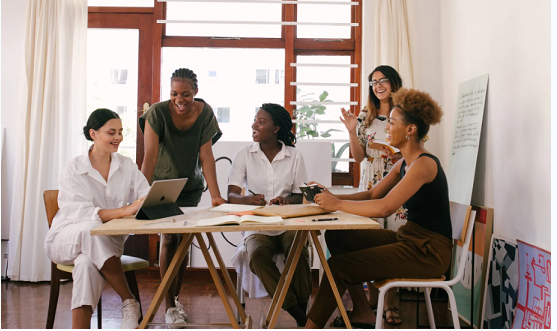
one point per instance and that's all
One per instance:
(49, 133)
(392, 44)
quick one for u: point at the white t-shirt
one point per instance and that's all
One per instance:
(83, 191)
(252, 169)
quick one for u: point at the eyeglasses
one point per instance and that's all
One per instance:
(381, 82)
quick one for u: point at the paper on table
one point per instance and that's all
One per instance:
(233, 219)
(232, 208)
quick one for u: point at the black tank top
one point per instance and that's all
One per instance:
(429, 207)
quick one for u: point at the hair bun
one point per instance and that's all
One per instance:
(86, 133)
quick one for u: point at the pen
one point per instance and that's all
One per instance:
(250, 191)
(324, 219)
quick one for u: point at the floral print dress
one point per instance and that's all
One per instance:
(376, 164)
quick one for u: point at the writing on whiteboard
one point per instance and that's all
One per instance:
(467, 124)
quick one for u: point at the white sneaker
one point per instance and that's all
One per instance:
(173, 316)
(130, 314)
(180, 308)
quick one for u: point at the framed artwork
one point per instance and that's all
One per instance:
(533, 309)
(501, 285)
(469, 291)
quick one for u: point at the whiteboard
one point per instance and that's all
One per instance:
(466, 138)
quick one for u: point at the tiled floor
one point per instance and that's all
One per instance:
(25, 305)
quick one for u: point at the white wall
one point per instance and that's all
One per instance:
(14, 16)
(509, 40)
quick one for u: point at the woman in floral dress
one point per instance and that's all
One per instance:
(363, 130)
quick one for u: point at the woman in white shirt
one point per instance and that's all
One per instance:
(95, 188)
(272, 169)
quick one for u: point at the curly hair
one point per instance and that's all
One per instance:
(418, 108)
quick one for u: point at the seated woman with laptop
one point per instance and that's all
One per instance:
(272, 169)
(95, 188)
(419, 249)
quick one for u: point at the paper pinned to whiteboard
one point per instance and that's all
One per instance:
(466, 138)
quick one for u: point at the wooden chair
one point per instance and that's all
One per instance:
(458, 212)
(60, 271)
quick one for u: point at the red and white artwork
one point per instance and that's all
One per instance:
(533, 310)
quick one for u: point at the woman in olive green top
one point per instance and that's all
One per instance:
(179, 134)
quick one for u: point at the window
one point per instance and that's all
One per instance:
(262, 76)
(258, 39)
(115, 89)
(119, 76)
(121, 109)
(223, 114)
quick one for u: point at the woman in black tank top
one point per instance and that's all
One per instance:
(419, 249)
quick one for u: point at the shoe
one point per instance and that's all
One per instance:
(173, 316)
(391, 319)
(180, 308)
(338, 322)
(131, 311)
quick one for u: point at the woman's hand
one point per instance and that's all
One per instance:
(327, 201)
(132, 208)
(217, 201)
(392, 156)
(349, 119)
(257, 199)
(281, 201)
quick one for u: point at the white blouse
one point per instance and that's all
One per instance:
(83, 191)
(252, 169)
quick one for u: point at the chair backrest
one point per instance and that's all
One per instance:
(461, 212)
(51, 205)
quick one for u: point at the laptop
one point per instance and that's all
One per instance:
(160, 202)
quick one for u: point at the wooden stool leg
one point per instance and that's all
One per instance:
(132, 283)
(54, 291)
(99, 313)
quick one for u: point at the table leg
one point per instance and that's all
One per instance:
(338, 298)
(217, 281)
(167, 280)
(227, 278)
(286, 278)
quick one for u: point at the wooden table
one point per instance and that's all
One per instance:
(185, 225)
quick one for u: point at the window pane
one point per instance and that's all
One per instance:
(112, 78)
(233, 85)
(340, 150)
(320, 93)
(211, 11)
(324, 13)
(121, 3)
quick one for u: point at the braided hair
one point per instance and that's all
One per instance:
(281, 118)
(97, 120)
(184, 73)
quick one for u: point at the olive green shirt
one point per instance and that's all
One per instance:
(179, 149)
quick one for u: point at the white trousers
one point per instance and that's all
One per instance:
(75, 245)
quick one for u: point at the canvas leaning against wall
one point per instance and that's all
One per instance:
(533, 309)
(501, 289)
(471, 286)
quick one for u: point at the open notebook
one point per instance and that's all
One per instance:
(233, 219)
